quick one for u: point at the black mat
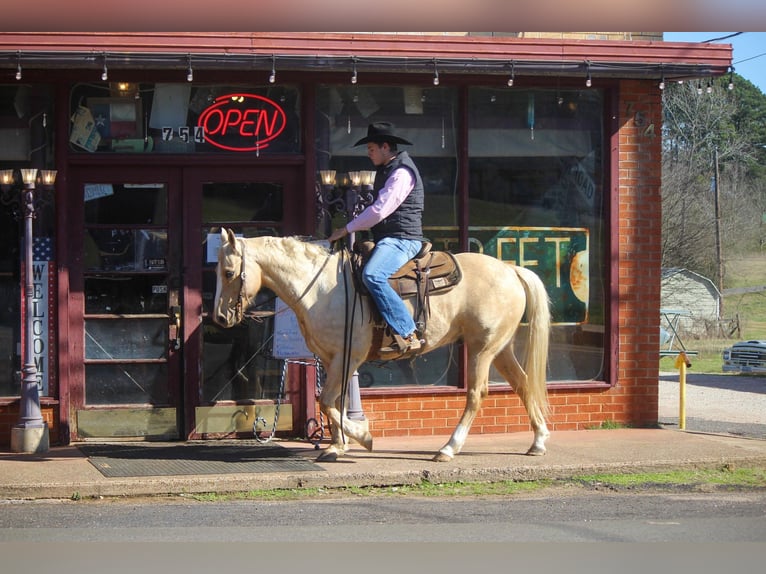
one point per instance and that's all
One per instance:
(189, 458)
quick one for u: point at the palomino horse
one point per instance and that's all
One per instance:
(483, 310)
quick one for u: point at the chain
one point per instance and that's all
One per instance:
(259, 419)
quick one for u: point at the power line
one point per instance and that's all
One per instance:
(723, 37)
(751, 58)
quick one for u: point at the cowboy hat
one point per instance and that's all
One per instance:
(380, 132)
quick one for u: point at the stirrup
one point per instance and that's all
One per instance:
(399, 345)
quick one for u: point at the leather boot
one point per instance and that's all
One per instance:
(400, 345)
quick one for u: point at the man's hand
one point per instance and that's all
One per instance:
(339, 233)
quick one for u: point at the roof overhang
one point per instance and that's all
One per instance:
(371, 53)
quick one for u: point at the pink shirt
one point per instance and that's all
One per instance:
(396, 189)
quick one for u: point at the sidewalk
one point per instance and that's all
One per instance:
(64, 472)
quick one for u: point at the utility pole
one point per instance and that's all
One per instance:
(719, 256)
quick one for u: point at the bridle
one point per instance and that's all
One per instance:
(239, 308)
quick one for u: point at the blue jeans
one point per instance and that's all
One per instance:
(388, 256)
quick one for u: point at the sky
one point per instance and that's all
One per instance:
(749, 58)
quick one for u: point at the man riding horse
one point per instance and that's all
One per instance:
(395, 219)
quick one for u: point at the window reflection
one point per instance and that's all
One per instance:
(237, 363)
(126, 384)
(536, 199)
(121, 294)
(425, 116)
(126, 339)
(164, 117)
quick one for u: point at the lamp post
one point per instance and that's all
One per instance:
(30, 434)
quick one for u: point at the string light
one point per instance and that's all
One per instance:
(709, 88)
(105, 72)
(273, 76)
(588, 81)
(436, 75)
(662, 81)
(731, 78)
(190, 72)
(699, 87)
(353, 75)
(18, 65)
(513, 73)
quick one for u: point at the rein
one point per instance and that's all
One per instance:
(348, 328)
(348, 331)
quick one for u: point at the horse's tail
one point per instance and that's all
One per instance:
(538, 337)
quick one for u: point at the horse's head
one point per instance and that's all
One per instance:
(235, 285)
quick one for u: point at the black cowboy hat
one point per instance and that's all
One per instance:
(380, 132)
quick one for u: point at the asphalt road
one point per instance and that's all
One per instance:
(553, 515)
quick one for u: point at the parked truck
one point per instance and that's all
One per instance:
(745, 357)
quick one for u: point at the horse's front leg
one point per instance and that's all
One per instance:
(342, 428)
(478, 380)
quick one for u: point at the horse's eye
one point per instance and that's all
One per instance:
(230, 275)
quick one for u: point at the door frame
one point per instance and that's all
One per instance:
(184, 184)
(292, 176)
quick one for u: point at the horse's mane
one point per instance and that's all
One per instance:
(293, 245)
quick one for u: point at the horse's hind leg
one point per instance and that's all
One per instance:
(478, 377)
(508, 366)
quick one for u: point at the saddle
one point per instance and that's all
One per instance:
(427, 273)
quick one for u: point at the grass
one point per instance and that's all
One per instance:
(745, 271)
(725, 476)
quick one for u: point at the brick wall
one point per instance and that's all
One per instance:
(9, 416)
(633, 398)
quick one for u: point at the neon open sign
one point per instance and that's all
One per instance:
(242, 122)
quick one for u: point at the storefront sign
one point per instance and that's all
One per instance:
(242, 122)
(559, 256)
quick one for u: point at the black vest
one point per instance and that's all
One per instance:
(406, 221)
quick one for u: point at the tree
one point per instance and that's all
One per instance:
(700, 123)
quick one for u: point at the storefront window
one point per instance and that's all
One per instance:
(536, 199)
(26, 141)
(116, 117)
(426, 117)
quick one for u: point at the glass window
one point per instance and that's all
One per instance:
(426, 117)
(26, 140)
(127, 298)
(536, 199)
(121, 117)
(126, 384)
(238, 363)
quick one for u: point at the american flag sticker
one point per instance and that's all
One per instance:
(42, 249)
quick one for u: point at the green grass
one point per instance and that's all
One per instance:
(725, 476)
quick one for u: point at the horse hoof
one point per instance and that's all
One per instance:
(366, 442)
(535, 451)
(327, 456)
(441, 457)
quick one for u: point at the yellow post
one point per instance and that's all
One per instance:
(682, 362)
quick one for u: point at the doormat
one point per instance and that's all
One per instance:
(146, 459)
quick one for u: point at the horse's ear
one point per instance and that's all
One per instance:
(227, 235)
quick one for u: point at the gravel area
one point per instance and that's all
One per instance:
(732, 404)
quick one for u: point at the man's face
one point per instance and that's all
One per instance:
(379, 154)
